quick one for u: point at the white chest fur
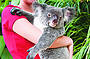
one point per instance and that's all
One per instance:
(38, 23)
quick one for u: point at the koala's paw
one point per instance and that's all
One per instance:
(29, 57)
(16, 11)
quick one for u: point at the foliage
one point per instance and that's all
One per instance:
(41, 1)
(78, 29)
(80, 33)
(79, 6)
(4, 53)
(2, 45)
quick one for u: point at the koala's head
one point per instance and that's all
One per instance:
(53, 16)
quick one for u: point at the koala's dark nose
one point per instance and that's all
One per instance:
(55, 21)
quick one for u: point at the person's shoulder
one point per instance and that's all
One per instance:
(8, 8)
(11, 6)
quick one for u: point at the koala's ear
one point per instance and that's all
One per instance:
(35, 5)
(68, 13)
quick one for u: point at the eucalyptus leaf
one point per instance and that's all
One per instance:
(6, 3)
(55, 0)
(0, 19)
(88, 35)
(2, 45)
(1, 9)
(6, 54)
(41, 1)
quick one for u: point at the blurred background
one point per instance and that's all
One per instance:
(78, 29)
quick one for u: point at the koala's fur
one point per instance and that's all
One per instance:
(50, 31)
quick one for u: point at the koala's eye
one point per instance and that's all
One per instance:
(49, 15)
(60, 17)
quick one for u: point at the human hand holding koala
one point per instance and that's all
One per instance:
(50, 20)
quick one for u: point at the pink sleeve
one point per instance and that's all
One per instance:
(8, 19)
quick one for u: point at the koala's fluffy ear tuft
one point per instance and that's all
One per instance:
(36, 5)
(68, 13)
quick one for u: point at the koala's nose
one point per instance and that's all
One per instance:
(55, 21)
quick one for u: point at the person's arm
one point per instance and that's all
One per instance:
(64, 41)
(24, 28)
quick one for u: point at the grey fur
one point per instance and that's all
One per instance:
(50, 32)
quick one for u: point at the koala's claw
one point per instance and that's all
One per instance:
(29, 49)
(16, 11)
(12, 11)
(28, 57)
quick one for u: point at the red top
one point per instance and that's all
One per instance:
(16, 44)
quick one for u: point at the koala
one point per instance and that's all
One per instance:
(50, 20)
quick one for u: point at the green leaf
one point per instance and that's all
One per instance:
(88, 52)
(58, 4)
(0, 2)
(6, 54)
(88, 35)
(1, 9)
(2, 44)
(41, 1)
(15, 2)
(0, 19)
(6, 3)
(55, 0)
(55, 4)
